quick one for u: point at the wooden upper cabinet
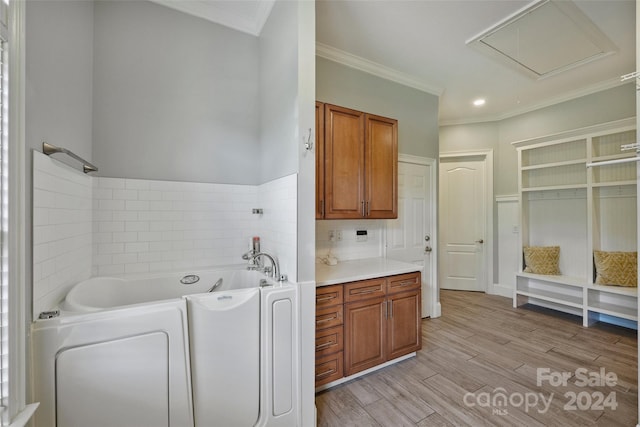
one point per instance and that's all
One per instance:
(319, 160)
(381, 159)
(343, 163)
(359, 160)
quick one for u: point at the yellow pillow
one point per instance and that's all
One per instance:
(542, 259)
(616, 268)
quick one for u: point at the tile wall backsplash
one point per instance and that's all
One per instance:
(62, 230)
(278, 224)
(145, 226)
(91, 226)
(349, 248)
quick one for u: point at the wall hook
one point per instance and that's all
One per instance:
(308, 145)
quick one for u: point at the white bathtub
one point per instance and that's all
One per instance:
(166, 353)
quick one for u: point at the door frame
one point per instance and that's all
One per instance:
(434, 296)
(487, 155)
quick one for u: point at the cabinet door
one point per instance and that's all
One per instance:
(403, 324)
(319, 160)
(381, 162)
(364, 335)
(343, 163)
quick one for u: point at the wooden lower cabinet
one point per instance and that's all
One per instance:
(329, 368)
(365, 335)
(329, 334)
(380, 320)
(404, 311)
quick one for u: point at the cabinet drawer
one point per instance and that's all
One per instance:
(328, 295)
(365, 289)
(329, 341)
(329, 368)
(328, 317)
(403, 282)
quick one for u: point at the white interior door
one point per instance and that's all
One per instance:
(463, 190)
(410, 237)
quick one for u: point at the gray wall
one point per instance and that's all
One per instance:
(59, 65)
(58, 103)
(279, 92)
(175, 96)
(601, 107)
(416, 111)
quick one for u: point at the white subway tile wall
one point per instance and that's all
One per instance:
(145, 226)
(87, 226)
(62, 230)
(349, 248)
(278, 224)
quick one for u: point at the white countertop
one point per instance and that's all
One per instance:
(361, 269)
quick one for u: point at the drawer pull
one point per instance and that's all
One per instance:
(325, 345)
(325, 373)
(366, 291)
(328, 319)
(407, 283)
(327, 298)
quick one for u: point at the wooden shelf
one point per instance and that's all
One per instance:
(554, 187)
(619, 290)
(557, 298)
(612, 184)
(562, 280)
(603, 217)
(555, 164)
(614, 310)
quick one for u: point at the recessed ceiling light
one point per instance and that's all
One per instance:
(479, 102)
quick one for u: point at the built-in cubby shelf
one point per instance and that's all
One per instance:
(581, 209)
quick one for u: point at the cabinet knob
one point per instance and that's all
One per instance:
(480, 241)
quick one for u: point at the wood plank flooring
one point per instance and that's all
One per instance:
(482, 349)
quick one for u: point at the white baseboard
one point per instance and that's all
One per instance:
(501, 290)
(437, 312)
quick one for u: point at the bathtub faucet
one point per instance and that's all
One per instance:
(274, 271)
(254, 264)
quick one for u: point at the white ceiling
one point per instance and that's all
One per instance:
(422, 43)
(247, 16)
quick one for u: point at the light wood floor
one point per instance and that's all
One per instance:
(482, 344)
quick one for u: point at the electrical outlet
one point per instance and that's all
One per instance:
(332, 235)
(339, 235)
(514, 229)
(361, 235)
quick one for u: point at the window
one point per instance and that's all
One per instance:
(4, 223)
(13, 409)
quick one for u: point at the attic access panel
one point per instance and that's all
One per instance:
(545, 38)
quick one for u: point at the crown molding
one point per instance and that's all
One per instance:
(569, 96)
(378, 70)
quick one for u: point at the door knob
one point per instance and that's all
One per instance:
(428, 249)
(480, 241)
(427, 238)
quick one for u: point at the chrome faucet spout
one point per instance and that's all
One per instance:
(275, 270)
